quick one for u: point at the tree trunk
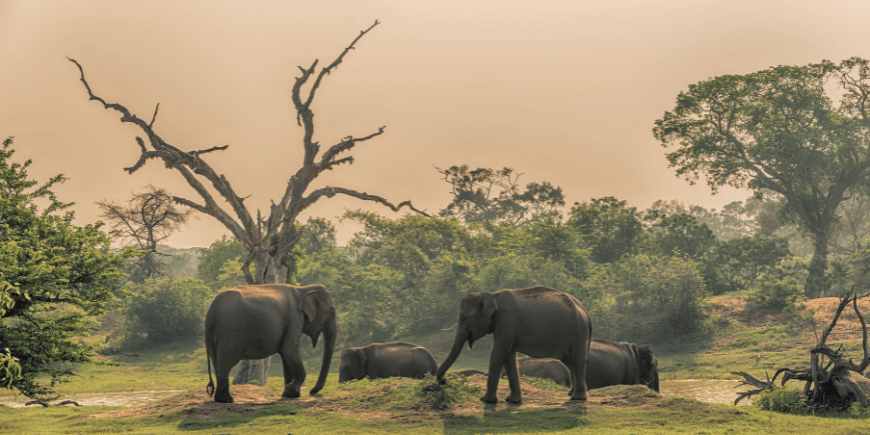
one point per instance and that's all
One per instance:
(816, 283)
(266, 272)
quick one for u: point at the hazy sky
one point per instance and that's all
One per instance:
(562, 91)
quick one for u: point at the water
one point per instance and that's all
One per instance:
(131, 399)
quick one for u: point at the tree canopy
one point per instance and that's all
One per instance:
(778, 129)
(53, 276)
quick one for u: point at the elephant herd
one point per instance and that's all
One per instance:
(551, 327)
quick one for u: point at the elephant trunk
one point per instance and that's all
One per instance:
(328, 346)
(454, 353)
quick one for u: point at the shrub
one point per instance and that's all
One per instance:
(776, 292)
(165, 310)
(784, 400)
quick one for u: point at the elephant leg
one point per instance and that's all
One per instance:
(224, 362)
(496, 362)
(571, 379)
(294, 372)
(578, 375)
(516, 395)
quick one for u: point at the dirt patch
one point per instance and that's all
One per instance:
(248, 399)
(736, 308)
(751, 315)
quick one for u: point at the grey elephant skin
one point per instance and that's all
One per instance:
(258, 321)
(538, 321)
(612, 363)
(548, 368)
(386, 360)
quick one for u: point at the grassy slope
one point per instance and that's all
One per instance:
(737, 333)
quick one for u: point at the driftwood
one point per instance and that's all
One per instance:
(829, 383)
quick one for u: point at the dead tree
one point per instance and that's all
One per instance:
(828, 382)
(267, 239)
(146, 219)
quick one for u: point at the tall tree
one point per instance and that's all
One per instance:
(53, 277)
(267, 240)
(487, 195)
(146, 219)
(608, 226)
(778, 129)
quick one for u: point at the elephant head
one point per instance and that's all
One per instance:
(476, 319)
(352, 365)
(648, 364)
(320, 317)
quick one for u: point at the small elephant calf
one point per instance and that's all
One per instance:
(386, 360)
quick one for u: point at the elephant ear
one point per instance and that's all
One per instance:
(488, 307)
(362, 359)
(311, 304)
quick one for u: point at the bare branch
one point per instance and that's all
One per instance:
(329, 192)
(197, 153)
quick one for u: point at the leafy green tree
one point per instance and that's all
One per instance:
(166, 310)
(644, 296)
(737, 263)
(778, 129)
(487, 195)
(609, 227)
(680, 234)
(215, 260)
(317, 234)
(54, 278)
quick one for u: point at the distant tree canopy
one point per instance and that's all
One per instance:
(778, 129)
(54, 276)
(495, 196)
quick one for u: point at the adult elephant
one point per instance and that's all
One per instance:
(257, 321)
(612, 363)
(386, 360)
(538, 321)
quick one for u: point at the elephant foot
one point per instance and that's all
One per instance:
(487, 398)
(516, 400)
(290, 393)
(578, 396)
(223, 397)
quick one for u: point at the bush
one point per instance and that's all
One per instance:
(776, 292)
(166, 310)
(784, 400)
(645, 297)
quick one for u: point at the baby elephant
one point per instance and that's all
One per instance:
(546, 368)
(386, 360)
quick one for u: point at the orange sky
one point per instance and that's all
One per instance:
(562, 91)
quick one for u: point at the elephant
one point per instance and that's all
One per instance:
(538, 321)
(386, 360)
(257, 321)
(612, 363)
(547, 368)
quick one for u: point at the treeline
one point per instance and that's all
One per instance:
(642, 274)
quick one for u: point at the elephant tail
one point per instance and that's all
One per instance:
(209, 389)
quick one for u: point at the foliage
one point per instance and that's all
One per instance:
(487, 195)
(647, 296)
(166, 310)
(680, 234)
(54, 277)
(784, 400)
(776, 292)
(736, 264)
(212, 261)
(608, 227)
(317, 234)
(778, 129)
